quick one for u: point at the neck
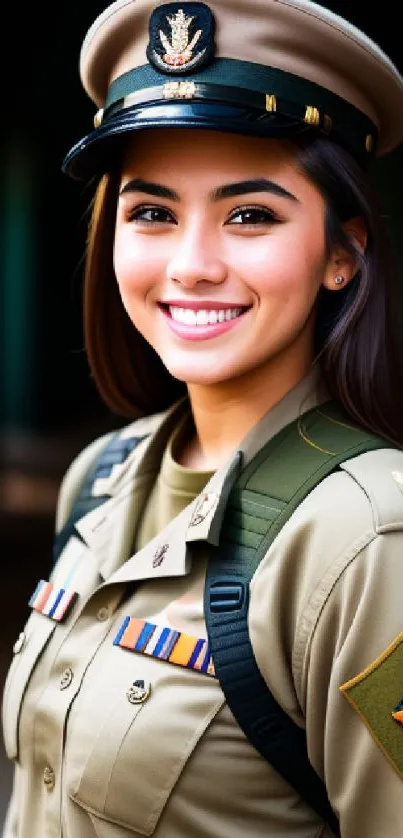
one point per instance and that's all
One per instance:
(224, 413)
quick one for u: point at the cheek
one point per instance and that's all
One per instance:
(284, 267)
(134, 263)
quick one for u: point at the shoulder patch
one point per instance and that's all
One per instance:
(376, 694)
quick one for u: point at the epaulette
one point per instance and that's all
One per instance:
(380, 475)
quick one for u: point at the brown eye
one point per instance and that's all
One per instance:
(151, 215)
(252, 216)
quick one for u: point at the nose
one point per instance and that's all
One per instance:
(196, 258)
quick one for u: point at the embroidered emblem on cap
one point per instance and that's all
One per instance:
(166, 644)
(181, 40)
(51, 601)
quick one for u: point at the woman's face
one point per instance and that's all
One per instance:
(219, 253)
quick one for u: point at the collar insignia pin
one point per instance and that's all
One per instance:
(204, 507)
(174, 51)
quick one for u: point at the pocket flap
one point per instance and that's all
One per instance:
(27, 650)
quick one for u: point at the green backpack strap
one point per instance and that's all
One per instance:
(263, 498)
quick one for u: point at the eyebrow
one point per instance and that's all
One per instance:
(230, 190)
(244, 187)
(150, 188)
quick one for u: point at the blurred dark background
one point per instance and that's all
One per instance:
(49, 407)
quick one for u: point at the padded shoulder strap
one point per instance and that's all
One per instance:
(263, 498)
(115, 452)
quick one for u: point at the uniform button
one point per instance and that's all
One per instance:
(66, 678)
(19, 643)
(103, 614)
(138, 692)
(49, 778)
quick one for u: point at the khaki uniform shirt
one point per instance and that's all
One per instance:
(175, 487)
(111, 743)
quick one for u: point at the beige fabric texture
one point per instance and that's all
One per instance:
(175, 487)
(296, 36)
(325, 603)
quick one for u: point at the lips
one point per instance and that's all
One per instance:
(202, 320)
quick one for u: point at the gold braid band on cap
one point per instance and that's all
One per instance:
(312, 116)
(270, 104)
(179, 90)
(98, 118)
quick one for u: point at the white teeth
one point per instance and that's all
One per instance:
(203, 317)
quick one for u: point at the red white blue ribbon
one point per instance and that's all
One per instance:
(52, 601)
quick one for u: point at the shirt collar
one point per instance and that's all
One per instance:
(206, 521)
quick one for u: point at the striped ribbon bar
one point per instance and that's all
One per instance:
(51, 601)
(166, 644)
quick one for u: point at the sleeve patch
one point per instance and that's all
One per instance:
(376, 694)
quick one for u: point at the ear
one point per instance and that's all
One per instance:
(343, 266)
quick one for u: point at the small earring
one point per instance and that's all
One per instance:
(339, 279)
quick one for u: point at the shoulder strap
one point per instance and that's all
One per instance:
(263, 498)
(115, 452)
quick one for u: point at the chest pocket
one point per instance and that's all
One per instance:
(130, 734)
(36, 636)
(27, 651)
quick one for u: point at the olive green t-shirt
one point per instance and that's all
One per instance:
(175, 487)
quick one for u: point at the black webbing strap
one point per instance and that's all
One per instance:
(115, 452)
(274, 483)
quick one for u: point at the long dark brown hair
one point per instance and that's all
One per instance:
(357, 329)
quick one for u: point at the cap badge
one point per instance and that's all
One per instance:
(181, 41)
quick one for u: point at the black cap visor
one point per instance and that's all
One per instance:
(99, 152)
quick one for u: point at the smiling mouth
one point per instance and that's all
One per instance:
(203, 316)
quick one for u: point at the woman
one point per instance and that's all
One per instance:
(238, 298)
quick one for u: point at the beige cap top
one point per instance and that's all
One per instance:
(291, 60)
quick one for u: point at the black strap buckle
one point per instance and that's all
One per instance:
(227, 596)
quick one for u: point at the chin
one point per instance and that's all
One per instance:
(203, 375)
(191, 377)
